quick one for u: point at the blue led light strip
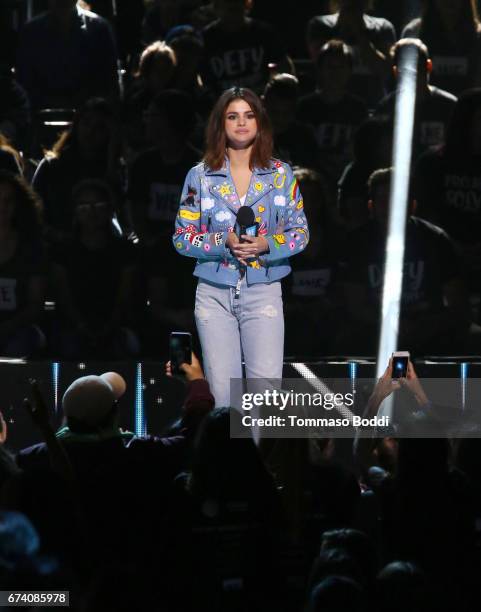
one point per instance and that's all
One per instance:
(140, 425)
(55, 377)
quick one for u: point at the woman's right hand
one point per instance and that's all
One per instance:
(231, 242)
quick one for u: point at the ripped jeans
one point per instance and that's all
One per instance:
(250, 326)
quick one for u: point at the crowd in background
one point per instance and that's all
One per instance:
(102, 114)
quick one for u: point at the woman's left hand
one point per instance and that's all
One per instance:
(253, 246)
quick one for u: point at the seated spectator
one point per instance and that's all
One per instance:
(332, 111)
(22, 269)
(370, 39)
(156, 175)
(294, 142)
(66, 56)
(155, 74)
(434, 106)
(93, 277)
(447, 184)
(311, 310)
(434, 296)
(372, 150)
(452, 33)
(188, 46)
(238, 49)
(90, 148)
(14, 110)
(156, 180)
(162, 15)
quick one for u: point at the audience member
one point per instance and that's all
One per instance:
(188, 46)
(434, 295)
(452, 33)
(22, 269)
(434, 106)
(93, 280)
(238, 49)
(372, 150)
(370, 39)
(294, 141)
(155, 74)
(66, 56)
(312, 311)
(447, 185)
(162, 15)
(156, 175)
(90, 148)
(332, 111)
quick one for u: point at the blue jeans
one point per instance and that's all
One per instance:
(250, 326)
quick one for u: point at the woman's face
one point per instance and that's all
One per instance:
(240, 124)
(92, 209)
(7, 204)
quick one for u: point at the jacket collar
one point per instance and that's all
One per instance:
(225, 170)
(260, 185)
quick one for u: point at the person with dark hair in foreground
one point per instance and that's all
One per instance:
(238, 302)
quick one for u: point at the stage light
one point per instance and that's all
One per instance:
(398, 207)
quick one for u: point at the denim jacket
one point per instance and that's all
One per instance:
(207, 212)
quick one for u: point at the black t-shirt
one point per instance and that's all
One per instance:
(448, 191)
(455, 64)
(433, 114)
(27, 262)
(297, 146)
(334, 125)
(370, 87)
(155, 187)
(94, 276)
(239, 58)
(310, 279)
(429, 262)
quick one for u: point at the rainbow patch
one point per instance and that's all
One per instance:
(293, 190)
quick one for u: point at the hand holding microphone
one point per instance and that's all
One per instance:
(245, 243)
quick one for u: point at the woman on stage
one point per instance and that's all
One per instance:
(238, 308)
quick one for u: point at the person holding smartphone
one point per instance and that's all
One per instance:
(240, 257)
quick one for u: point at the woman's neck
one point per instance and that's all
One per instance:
(239, 157)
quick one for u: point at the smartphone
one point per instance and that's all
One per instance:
(400, 364)
(180, 350)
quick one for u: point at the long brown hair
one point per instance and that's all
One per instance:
(215, 137)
